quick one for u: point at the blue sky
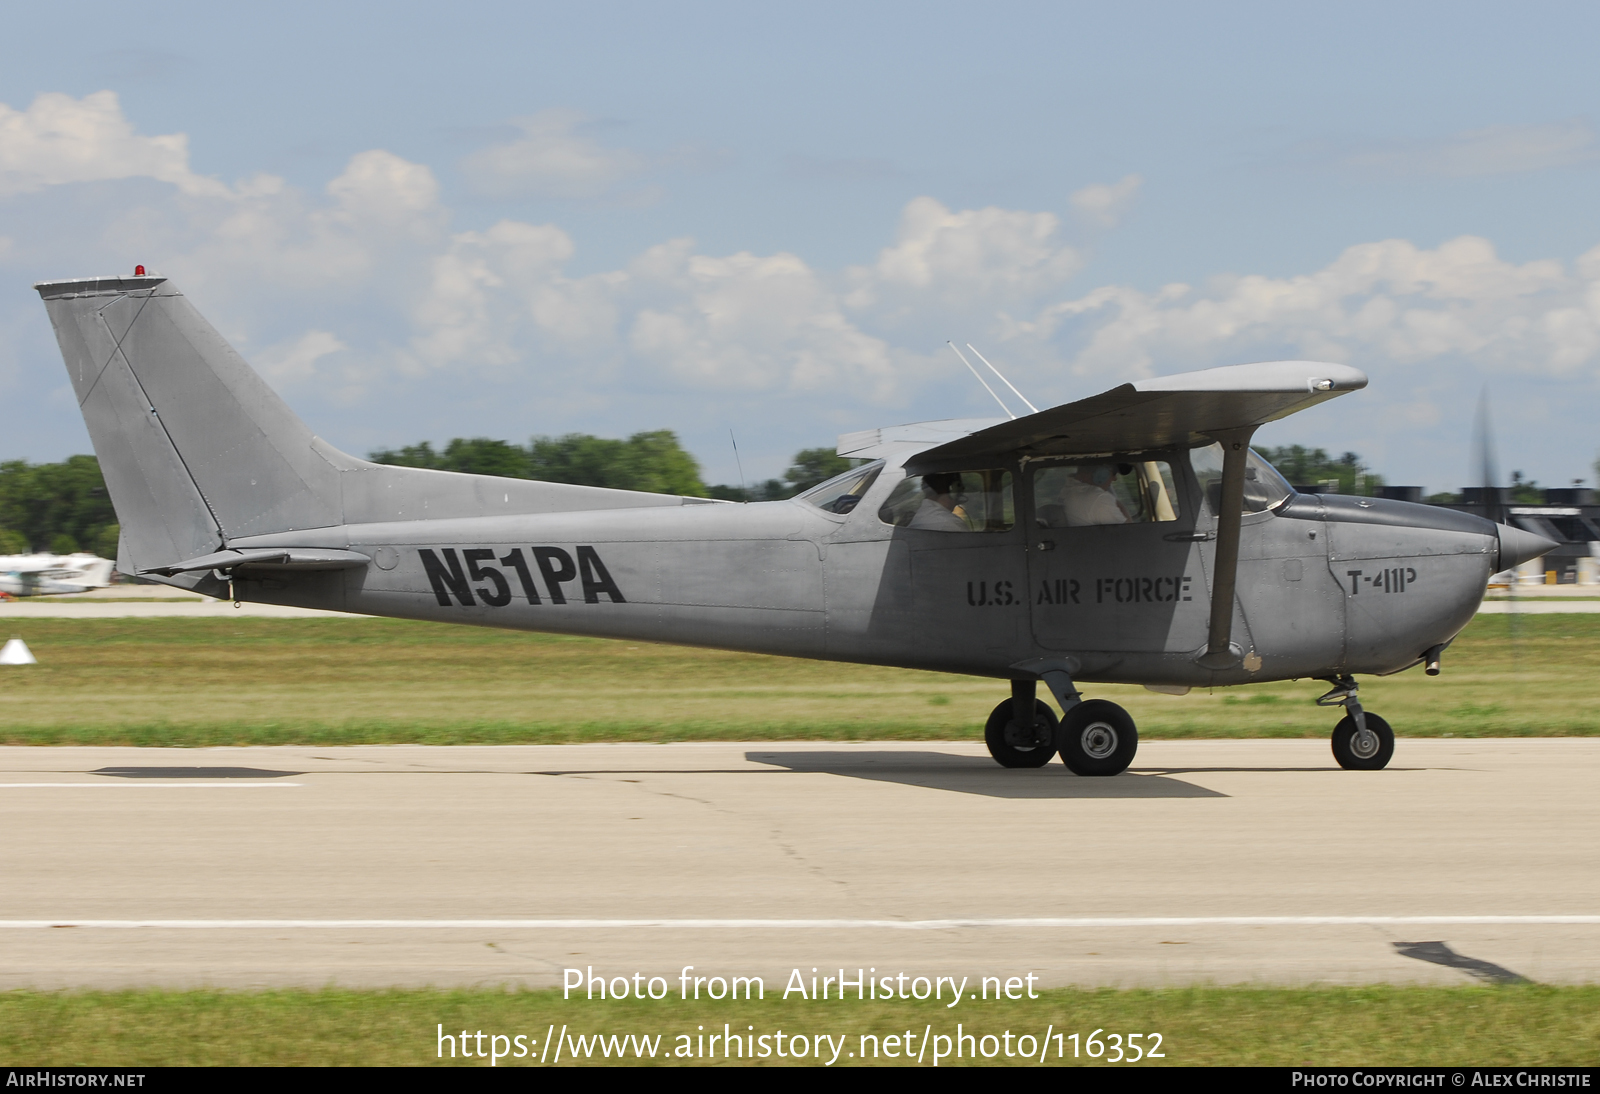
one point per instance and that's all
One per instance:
(424, 223)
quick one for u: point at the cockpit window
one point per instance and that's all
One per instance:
(842, 493)
(953, 501)
(1107, 491)
(1264, 488)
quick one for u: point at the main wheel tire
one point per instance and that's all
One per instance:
(1097, 737)
(1369, 759)
(1008, 742)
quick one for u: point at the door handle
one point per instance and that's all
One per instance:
(1189, 537)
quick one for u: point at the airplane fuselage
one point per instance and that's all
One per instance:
(1327, 585)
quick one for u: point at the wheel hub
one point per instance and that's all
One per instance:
(1364, 744)
(1021, 736)
(1099, 740)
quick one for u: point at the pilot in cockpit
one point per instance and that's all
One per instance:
(940, 500)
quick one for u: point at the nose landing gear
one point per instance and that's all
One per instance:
(1361, 741)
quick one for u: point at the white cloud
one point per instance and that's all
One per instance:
(381, 187)
(296, 360)
(1103, 204)
(739, 322)
(1381, 302)
(552, 158)
(1493, 150)
(484, 290)
(752, 322)
(350, 288)
(59, 139)
(383, 210)
(970, 259)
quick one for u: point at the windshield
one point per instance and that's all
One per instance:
(1264, 488)
(842, 493)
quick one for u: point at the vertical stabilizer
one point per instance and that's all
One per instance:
(196, 449)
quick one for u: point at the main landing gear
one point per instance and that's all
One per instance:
(1094, 738)
(1021, 742)
(1361, 741)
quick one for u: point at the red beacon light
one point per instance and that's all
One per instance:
(138, 271)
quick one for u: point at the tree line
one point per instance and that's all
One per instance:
(1304, 466)
(654, 462)
(56, 507)
(63, 507)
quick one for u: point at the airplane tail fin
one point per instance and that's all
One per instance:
(199, 453)
(97, 572)
(195, 448)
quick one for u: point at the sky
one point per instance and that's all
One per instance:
(422, 222)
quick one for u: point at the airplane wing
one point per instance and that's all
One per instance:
(48, 567)
(1186, 409)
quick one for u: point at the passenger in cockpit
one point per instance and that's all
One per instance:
(1086, 497)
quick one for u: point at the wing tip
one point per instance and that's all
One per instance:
(1315, 377)
(106, 284)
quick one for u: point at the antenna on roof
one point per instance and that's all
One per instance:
(740, 464)
(1003, 380)
(981, 380)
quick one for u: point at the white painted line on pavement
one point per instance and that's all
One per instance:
(144, 785)
(796, 924)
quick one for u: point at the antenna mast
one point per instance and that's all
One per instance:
(981, 380)
(1003, 380)
(740, 465)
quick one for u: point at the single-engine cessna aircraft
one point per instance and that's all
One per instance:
(1131, 537)
(53, 575)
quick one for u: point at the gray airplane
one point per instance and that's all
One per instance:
(1132, 537)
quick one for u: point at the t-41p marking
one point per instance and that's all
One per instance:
(1128, 537)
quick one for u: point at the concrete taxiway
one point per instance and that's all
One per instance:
(1211, 861)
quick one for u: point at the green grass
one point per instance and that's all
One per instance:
(1524, 1025)
(206, 682)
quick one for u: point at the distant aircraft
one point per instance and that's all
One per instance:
(1131, 537)
(53, 575)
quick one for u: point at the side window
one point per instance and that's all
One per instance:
(1104, 492)
(957, 501)
(843, 493)
(1264, 488)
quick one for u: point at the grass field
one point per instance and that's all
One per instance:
(367, 681)
(1523, 1025)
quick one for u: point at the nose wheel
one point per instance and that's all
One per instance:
(1362, 741)
(1358, 751)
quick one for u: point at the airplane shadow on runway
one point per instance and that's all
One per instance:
(1440, 953)
(978, 775)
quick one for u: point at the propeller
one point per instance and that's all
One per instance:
(1516, 545)
(1491, 499)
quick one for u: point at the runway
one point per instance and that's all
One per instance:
(1211, 862)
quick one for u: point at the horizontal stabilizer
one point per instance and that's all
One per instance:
(1168, 411)
(278, 558)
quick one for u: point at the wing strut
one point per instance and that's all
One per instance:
(1220, 653)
